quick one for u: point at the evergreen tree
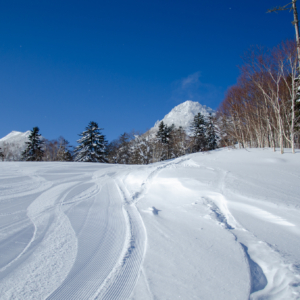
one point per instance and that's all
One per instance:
(162, 133)
(211, 136)
(198, 128)
(1, 155)
(34, 151)
(92, 145)
(169, 131)
(164, 136)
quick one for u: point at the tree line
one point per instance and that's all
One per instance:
(167, 142)
(41, 149)
(130, 148)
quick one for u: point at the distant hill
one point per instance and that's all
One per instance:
(16, 137)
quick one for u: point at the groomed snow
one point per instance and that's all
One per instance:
(223, 225)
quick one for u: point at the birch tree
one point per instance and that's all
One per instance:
(294, 93)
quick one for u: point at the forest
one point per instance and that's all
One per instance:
(262, 108)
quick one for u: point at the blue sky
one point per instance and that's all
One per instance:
(122, 64)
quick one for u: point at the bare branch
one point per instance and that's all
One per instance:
(280, 8)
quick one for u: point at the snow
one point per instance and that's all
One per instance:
(183, 114)
(16, 137)
(223, 224)
(15, 144)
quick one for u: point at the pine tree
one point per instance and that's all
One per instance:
(164, 132)
(198, 128)
(92, 145)
(211, 136)
(164, 136)
(161, 133)
(34, 151)
(1, 155)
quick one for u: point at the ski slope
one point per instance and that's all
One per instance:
(218, 225)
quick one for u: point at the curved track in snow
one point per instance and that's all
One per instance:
(79, 239)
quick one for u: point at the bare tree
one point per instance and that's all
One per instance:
(57, 150)
(259, 110)
(50, 150)
(11, 151)
(63, 152)
(291, 7)
(295, 93)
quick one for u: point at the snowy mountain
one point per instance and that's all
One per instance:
(16, 137)
(14, 143)
(183, 115)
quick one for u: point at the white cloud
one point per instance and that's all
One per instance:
(193, 88)
(191, 80)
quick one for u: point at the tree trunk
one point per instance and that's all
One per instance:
(296, 24)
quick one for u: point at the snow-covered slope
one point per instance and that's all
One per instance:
(218, 225)
(183, 114)
(16, 137)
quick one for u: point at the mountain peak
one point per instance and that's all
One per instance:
(183, 114)
(15, 136)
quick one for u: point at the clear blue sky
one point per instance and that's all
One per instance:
(123, 64)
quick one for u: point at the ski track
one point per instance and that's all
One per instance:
(145, 185)
(49, 253)
(270, 277)
(100, 240)
(108, 268)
